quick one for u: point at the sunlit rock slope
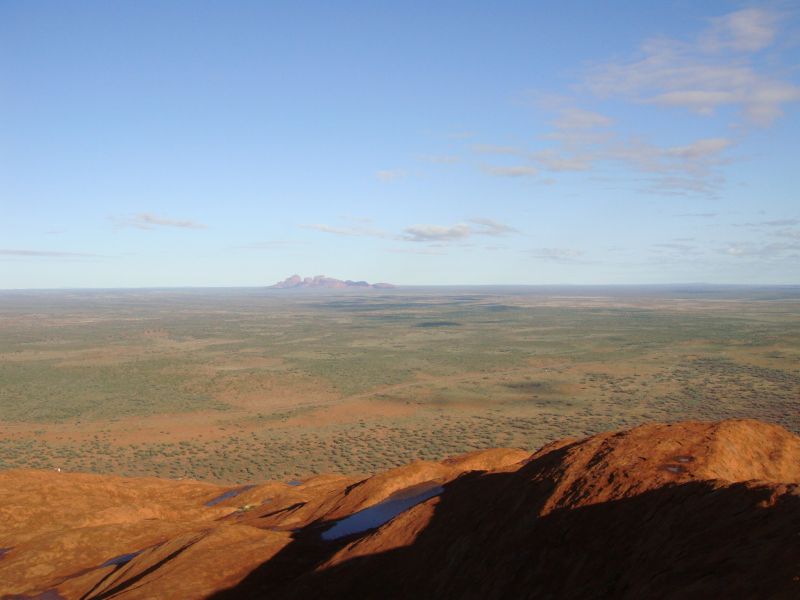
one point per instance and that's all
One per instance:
(685, 510)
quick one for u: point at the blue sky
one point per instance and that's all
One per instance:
(235, 143)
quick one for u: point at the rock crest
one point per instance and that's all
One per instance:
(686, 509)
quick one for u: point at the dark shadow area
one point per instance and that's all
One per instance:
(485, 540)
(127, 583)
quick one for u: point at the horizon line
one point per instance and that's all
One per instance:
(395, 287)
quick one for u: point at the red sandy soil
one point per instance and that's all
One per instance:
(685, 510)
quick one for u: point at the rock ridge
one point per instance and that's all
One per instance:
(680, 510)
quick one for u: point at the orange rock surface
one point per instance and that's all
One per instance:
(684, 510)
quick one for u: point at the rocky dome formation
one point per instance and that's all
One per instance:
(684, 510)
(322, 282)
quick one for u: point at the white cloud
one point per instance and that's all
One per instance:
(42, 253)
(349, 230)
(150, 221)
(495, 149)
(517, 171)
(747, 30)
(426, 251)
(269, 245)
(436, 233)
(676, 249)
(789, 233)
(689, 168)
(717, 68)
(705, 74)
(578, 135)
(699, 149)
(763, 251)
(557, 254)
(772, 223)
(675, 185)
(681, 169)
(482, 226)
(390, 175)
(492, 227)
(553, 160)
(577, 118)
(440, 159)
(459, 231)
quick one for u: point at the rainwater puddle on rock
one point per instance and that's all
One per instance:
(377, 515)
(684, 458)
(4, 551)
(294, 482)
(675, 469)
(121, 559)
(229, 494)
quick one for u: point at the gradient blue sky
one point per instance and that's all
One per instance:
(235, 143)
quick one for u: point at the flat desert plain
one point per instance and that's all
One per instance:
(240, 385)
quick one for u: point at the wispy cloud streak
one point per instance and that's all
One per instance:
(714, 70)
(43, 253)
(150, 221)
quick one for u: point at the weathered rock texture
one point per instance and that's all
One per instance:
(686, 510)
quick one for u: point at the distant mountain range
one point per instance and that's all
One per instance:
(320, 281)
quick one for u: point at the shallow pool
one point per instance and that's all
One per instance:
(383, 512)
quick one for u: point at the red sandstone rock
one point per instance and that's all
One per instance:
(685, 510)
